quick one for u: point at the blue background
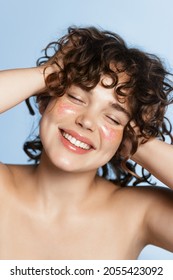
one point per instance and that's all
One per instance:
(26, 27)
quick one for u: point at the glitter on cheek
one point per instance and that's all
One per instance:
(111, 134)
(66, 108)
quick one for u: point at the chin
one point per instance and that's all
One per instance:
(72, 167)
(63, 164)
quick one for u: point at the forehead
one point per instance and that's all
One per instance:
(119, 92)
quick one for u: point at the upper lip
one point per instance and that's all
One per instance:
(79, 137)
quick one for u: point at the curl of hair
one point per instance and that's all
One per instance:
(82, 57)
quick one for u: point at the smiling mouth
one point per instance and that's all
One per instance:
(75, 141)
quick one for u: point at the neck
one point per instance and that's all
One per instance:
(56, 185)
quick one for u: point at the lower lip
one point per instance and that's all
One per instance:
(72, 147)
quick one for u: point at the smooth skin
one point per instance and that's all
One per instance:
(61, 209)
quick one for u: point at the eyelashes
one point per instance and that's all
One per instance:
(77, 100)
(113, 120)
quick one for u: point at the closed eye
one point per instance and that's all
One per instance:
(75, 99)
(113, 120)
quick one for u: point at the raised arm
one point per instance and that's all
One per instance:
(18, 84)
(157, 157)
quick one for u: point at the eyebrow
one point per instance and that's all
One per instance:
(119, 108)
(116, 106)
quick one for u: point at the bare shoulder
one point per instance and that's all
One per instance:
(142, 197)
(154, 194)
(157, 214)
(5, 174)
(142, 210)
(147, 196)
(11, 174)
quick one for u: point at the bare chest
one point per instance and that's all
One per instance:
(84, 237)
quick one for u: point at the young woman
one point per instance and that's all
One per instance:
(102, 104)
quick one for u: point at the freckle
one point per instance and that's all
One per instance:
(111, 134)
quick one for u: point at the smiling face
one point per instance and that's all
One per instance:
(82, 131)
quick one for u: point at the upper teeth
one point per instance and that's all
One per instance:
(76, 142)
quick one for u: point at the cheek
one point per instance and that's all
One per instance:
(64, 108)
(111, 135)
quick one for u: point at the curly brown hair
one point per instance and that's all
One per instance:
(82, 57)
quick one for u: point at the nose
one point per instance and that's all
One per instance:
(86, 120)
